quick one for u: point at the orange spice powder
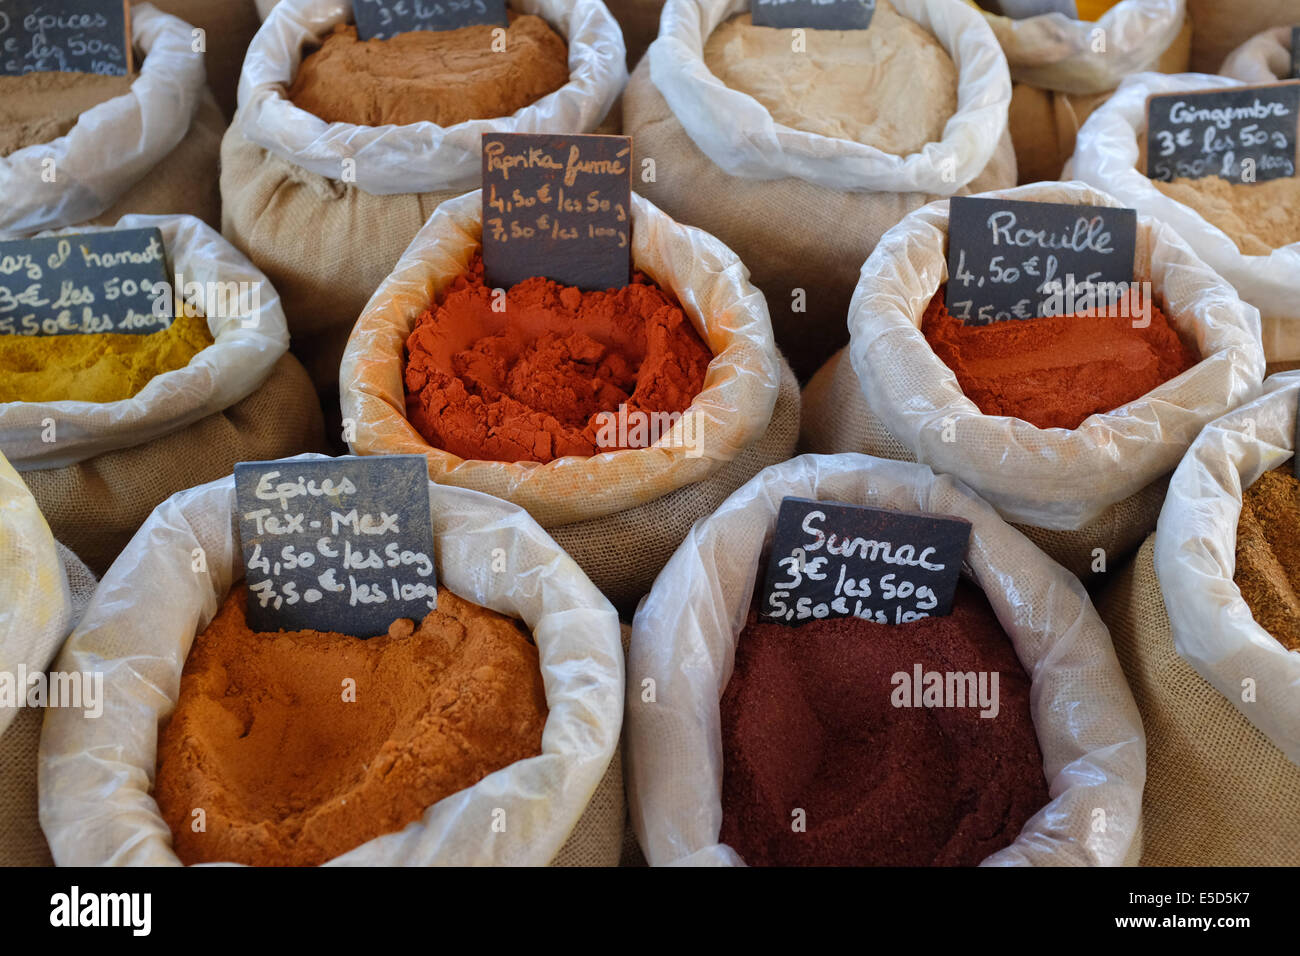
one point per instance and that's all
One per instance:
(1054, 372)
(290, 769)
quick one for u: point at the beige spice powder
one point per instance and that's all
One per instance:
(1268, 554)
(1258, 217)
(40, 107)
(892, 86)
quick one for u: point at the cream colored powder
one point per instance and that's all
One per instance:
(892, 86)
(1258, 217)
(40, 107)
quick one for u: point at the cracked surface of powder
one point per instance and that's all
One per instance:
(527, 384)
(443, 77)
(40, 107)
(1054, 372)
(808, 723)
(1268, 554)
(892, 86)
(289, 773)
(1258, 217)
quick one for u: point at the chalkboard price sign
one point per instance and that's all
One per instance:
(68, 36)
(379, 19)
(813, 14)
(1244, 134)
(336, 544)
(558, 206)
(1009, 259)
(839, 560)
(112, 281)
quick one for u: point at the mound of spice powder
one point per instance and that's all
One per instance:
(912, 79)
(97, 367)
(41, 107)
(530, 383)
(443, 76)
(1055, 371)
(292, 770)
(809, 723)
(1258, 217)
(1268, 555)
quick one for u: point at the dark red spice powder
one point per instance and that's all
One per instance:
(808, 723)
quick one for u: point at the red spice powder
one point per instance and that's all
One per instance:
(527, 384)
(1055, 371)
(808, 723)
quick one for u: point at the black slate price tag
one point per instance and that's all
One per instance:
(558, 206)
(1295, 53)
(379, 19)
(336, 544)
(813, 14)
(114, 281)
(1244, 134)
(839, 560)
(1009, 259)
(68, 36)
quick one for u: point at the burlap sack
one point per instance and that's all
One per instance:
(248, 335)
(95, 775)
(1220, 27)
(1107, 156)
(1195, 559)
(185, 181)
(619, 513)
(599, 839)
(639, 20)
(96, 505)
(21, 841)
(623, 552)
(1044, 123)
(803, 211)
(1264, 58)
(1098, 486)
(1088, 728)
(327, 243)
(151, 150)
(228, 26)
(1218, 792)
(1052, 51)
(110, 463)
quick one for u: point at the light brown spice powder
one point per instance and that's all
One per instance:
(1268, 554)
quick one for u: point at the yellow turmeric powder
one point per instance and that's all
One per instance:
(100, 367)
